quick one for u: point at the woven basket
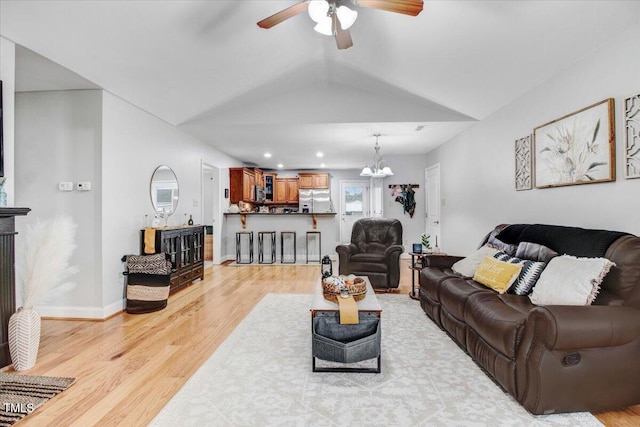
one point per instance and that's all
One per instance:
(358, 287)
(24, 338)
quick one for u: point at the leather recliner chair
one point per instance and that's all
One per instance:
(374, 251)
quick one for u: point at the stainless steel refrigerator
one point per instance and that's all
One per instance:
(315, 201)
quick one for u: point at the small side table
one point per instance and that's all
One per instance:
(417, 264)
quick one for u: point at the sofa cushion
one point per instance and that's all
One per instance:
(454, 293)
(498, 319)
(467, 266)
(500, 245)
(496, 274)
(535, 252)
(568, 280)
(430, 279)
(529, 274)
(372, 262)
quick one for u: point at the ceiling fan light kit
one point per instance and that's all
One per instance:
(318, 9)
(346, 16)
(322, 11)
(333, 18)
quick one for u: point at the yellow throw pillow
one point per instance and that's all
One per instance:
(497, 275)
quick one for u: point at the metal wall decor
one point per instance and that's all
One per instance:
(632, 140)
(523, 164)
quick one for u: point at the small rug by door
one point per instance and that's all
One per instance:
(22, 394)
(261, 376)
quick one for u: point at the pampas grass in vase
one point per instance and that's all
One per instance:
(44, 270)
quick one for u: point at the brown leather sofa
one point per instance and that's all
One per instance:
(374, 251)
(551, 359)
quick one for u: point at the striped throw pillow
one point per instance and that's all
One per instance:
(529, 275)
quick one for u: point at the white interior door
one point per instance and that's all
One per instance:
(354, 204)
(210, 205)
(432, 185)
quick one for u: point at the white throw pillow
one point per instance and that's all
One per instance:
(467, 266)
(568, 280)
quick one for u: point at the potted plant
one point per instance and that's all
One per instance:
(43, 271)
(425, 241)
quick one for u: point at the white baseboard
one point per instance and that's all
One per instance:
(93, 313)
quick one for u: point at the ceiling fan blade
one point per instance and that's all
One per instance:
(343, 37)
(283, 15)
(407, 7)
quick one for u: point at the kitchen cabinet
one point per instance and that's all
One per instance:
(259, 177)
(313, 180)
(269, 186)
(241, 182)
(292, 190)
(286, 190)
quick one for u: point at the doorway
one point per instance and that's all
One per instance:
(210, 185)
(354, 204)
(433, 219)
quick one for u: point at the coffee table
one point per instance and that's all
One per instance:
(369, 304)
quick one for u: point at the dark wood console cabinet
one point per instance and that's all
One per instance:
(185, 246)
(7, 276)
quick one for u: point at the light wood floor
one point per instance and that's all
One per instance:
(129, 366)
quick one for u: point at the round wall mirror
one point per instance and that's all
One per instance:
(164, 191)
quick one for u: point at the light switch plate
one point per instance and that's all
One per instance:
(65, 186)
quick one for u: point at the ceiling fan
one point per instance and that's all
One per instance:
(333, 18)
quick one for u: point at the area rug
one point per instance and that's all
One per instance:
(261, 375)
(22, 394)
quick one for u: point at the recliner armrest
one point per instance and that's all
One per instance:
(349, 249)
(344, 254)
(393, 250)
(575, 327)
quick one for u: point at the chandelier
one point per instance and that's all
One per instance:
(376, 170)
(322, 11)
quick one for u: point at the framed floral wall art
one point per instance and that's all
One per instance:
(578, 148)
(632, 140)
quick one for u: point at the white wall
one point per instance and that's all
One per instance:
(58, 138)
(8, 77)
(406, 170)
(134, 143)
(95, 136)
(477, 167)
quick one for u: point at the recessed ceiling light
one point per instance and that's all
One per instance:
(323, 166)
(280, 165)
(267, 155)
(319, 154)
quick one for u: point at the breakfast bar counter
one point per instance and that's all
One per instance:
(325, 223)
(314, 216)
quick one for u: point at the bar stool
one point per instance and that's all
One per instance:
(318, 237)
(239, 235)
(272, 239)
(282, 240)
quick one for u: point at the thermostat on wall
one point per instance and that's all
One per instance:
(83, 185)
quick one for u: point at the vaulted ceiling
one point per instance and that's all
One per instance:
(206, 67)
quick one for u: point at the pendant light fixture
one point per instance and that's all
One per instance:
(377, 170)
